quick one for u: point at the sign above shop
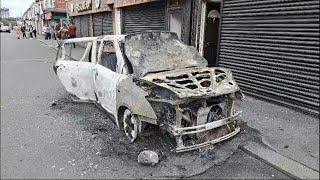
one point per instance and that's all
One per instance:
(84, 6)
(47, 16)
(97, 3)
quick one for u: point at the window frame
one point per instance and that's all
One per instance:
(93, 46)
(121, 66)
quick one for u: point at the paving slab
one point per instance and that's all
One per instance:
(280, 162)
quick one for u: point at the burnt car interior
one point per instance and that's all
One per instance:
(108, 56)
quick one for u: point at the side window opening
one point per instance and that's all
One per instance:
(127, 62)
(108, 56)
(68, 52)
(78, 54)
(86, 57)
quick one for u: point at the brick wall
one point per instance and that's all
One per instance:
(61, 4)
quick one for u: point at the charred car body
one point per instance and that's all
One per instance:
(153, 78)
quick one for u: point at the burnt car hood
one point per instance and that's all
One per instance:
(195, 82)
(152, 52)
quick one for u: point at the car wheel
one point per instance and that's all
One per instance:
(130, 125)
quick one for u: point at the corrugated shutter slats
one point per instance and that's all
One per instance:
(144, 17)
(272, 47)
(84, 25)
(77, 24)
(102, 24)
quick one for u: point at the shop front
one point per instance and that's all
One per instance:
(102, 23)
(272, 47)
(91, 17)
(144, 17)
(53, 15)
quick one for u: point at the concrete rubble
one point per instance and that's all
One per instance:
(148, 158)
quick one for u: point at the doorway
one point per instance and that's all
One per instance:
(211, 33)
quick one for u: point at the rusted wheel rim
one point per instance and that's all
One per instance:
(130, 125)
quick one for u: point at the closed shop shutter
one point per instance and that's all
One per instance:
(272, 48)
(102, 24)
(84, 25)
(144, 17)
(77, 24)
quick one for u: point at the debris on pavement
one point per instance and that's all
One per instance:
(148, 158)
(53, 103)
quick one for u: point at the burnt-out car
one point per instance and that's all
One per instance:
(152, 78)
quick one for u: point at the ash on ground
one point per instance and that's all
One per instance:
(109, 141)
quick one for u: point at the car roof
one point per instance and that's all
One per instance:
(99, 38)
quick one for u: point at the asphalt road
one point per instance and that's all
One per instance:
(45, 140)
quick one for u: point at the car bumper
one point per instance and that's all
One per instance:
(178, 132)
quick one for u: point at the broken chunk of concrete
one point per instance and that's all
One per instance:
(54, 103)
(148, 158)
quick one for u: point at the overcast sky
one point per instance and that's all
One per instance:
(17, 7)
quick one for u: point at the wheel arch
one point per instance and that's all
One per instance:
(132, 97)
(120, 112)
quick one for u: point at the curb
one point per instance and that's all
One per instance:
(288, 166)
(53, 47)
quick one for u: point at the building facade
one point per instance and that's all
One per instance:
(272, 47)
(154, 15)
(53, 11)
(92, 17)
(5, 13)
(43, 12)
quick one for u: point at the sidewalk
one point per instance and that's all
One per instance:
(77, 52)
(291, 134)
(50, 42)
(292, 137)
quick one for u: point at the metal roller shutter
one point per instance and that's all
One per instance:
(144, 17)
(272, 47)
(77, 24)
(97, 24)
(84, 25)
(107, 27)
(102, 24)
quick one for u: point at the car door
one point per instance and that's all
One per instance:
(106, 77)
(74, 69)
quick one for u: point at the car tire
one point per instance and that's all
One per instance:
(131, 125)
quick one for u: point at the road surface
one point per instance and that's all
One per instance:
(44, 135)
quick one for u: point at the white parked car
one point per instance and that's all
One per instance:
(152, 78)
(5, 28)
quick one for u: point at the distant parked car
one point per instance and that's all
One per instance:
(5, 28)
(152, 78)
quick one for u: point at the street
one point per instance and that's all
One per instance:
(44, 135)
